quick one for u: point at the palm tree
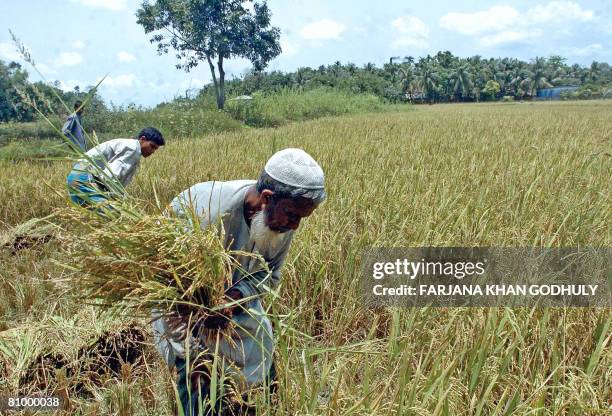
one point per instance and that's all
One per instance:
(351, 68)
(593, 72)
(556, 70)
(369, 67)
(462, 81)
(536, 77)
(406, 81)
(517, 75)
(427, 80)
(503, 75)
(336, 69)
(302, 76)
(408, 60)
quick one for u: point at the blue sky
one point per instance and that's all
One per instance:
(79, 41)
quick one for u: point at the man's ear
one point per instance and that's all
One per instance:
(266, 196)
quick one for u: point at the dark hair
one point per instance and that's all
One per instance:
(282, 190)
(153, 135)
(77, 104)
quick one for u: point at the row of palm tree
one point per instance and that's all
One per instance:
(441, 77)
(444, 77)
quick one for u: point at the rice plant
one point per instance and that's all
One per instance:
(532, 174)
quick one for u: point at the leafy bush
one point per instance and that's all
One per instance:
(588, 91)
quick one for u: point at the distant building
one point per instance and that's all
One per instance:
(553, 93)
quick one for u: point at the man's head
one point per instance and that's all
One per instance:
(290, 187)
(150, 140)
(78, 107)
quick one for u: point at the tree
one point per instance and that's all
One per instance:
(406, 81)
(427, 80)
(593, 72)
(462, 81)
(536, 78)
(491, 89)
(212, 31)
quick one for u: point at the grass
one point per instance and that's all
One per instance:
(531, 174)
(287, 106)
(183, 119)
(35, 129)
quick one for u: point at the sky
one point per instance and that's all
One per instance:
(77, 42)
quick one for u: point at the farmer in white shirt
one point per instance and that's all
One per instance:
(257, 216)
(110, 166)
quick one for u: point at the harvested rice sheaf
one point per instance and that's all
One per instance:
(101, 358)
(147, 261)
(30, 234)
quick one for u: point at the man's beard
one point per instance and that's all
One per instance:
(266, 240)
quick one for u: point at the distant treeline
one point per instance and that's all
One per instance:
(439, 78)
(19, 96)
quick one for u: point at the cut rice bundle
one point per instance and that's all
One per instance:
(29, 234)
(147, 261)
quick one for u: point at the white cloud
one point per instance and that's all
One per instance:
(412, 32)
(68, 85)
(68, 59)
(506, 25)
(559, 11)
(104, 4)
(323, 29)
(9, 51)
(508, 36)
(78, 44)
(119, 81)
(124, 56)
(494, 19)
(288, 48)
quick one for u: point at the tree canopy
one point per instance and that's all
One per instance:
(212, 31)
(17, 94)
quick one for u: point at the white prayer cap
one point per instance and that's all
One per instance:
(295, 167)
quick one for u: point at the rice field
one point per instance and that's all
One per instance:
(506, 175)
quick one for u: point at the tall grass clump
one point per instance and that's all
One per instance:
(176, 120)
(288, 105)
(30, 130)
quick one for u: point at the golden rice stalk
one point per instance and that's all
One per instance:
(146, 261)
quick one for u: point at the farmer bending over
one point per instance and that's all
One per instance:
(73, 127)
(257, 216)
(113, 162)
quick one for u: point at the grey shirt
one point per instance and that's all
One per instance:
(118, 158)
(252, 346)
(73, 130)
